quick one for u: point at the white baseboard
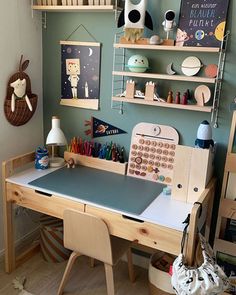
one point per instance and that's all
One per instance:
(27, 239)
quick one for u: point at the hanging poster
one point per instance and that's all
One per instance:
(80, 74)
(99, 128)
(202, 23)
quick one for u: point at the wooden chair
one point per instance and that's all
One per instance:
(89, 235)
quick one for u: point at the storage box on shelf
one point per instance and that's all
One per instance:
(121, 75)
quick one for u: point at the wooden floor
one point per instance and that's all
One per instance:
(43, 278)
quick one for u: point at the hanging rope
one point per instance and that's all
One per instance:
(81, 26)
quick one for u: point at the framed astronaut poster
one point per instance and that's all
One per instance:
(80, 74)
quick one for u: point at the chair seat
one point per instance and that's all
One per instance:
(119, 247)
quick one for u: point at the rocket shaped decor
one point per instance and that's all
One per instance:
(134, 18)
(99, 128)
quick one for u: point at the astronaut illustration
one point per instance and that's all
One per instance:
(73, 71)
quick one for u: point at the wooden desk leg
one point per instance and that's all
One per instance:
(9, 238)
(8, 222)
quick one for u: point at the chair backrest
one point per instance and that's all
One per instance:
(88, 235)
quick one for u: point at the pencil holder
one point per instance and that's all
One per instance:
(41, 158)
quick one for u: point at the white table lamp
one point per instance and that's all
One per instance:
(56, 137)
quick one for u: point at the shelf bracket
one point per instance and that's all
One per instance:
(44, 20)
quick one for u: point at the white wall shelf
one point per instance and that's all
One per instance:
(165, 77)
(167, 48)
(189, 107)
(75, 8)
(120, 75)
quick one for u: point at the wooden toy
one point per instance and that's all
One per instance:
(211, 70)
(130, 89)
(138, 63)
(149, 90)
(70, 163)
(192, 171)
(202, 94)
(169, 69)
(184, 99)
(191, 66)
(204, 136)
(155, 40)
(170, 97)
(152, 152)
(134, 18)
(177, 98)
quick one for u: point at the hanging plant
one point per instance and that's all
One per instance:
(20, 103)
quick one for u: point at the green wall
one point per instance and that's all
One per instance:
(103, 27)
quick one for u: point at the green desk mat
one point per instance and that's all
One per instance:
(111, 190)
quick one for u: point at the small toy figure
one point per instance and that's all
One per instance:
(184, 98)
(70, 163)
(170, 97)
(188, 94)
(177, 98)
(204, 136)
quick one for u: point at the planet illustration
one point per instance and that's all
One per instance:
(199, 35)
(101, 128)
(219, 31)
(138, 63)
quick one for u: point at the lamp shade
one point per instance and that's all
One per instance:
(56, 135)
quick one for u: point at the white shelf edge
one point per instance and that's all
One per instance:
(206, 109)
(165, 77)
(168, 48)
(75, 8)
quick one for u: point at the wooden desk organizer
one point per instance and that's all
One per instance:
(102, 164)
(193, 170)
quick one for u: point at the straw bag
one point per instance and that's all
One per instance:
(208, 278)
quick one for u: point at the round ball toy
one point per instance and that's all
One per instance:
(138, 63)
(204, 136)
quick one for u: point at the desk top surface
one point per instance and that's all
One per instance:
(118, 192)
(162, 210)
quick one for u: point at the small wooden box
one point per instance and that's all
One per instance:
(193, 170)
(101, 164)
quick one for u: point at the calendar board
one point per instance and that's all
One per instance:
(152, 152)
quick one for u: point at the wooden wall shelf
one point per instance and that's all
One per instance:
(165, 77)
(167, 48)
(189, 107)
(75, 8)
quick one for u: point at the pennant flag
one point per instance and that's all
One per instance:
(99, 128)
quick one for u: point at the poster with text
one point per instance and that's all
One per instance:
(202, 23)
(80, 74)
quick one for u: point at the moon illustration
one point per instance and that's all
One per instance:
(90, 51)
(169, 69)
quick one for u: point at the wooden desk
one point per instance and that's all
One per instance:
(159, 226)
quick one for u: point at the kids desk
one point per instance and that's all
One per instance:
(133, 209)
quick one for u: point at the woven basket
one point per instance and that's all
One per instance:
(51, 239)
(22, 113)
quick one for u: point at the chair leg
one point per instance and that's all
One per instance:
(109, 279)
(67, 271)
(130, 265)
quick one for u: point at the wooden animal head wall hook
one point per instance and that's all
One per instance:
(20, 103)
